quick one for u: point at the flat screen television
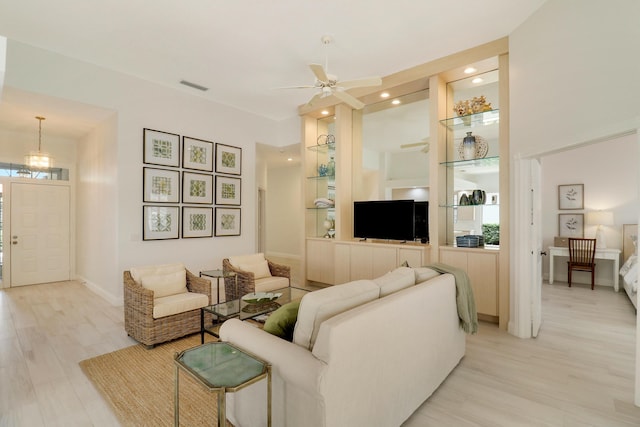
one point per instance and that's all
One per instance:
(384, 219)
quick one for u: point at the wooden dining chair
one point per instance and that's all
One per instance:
(582, 253)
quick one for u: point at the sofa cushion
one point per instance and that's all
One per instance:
(424, 273)
(259, 269)
(165, 284)
(393, 281)
(318, 306)
(152, 270)
(271, 283)
(282, 321)
(179, 303)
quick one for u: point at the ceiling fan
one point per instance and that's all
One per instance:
(330, 85)
(424, 142)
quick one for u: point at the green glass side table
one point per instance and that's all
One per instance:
(221, 368)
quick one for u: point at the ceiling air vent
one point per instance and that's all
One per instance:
(194, 85)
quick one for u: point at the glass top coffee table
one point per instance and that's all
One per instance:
(222, 368)
(238, 308)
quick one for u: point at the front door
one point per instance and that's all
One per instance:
(40, 240)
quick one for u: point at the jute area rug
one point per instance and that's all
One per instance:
(139, 385)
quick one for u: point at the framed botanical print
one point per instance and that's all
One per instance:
(197, 154)
(228, 159)
(160, 185)
(571, 196)
(160, 222)
(197, 188)
(227, 221)
(197, 222)
(161, 148)
(227, 190)
(571, 225)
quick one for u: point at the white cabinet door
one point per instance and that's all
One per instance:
(320, 261)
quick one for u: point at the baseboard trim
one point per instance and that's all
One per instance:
(110, 298)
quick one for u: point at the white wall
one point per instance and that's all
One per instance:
(139, 105)
(608, 171)
(284, 222)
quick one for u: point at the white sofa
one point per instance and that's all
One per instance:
(373, 364)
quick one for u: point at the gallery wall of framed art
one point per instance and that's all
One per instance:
(181, 190)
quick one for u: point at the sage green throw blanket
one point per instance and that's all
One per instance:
(464, 297)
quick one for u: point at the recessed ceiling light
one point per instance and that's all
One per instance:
(395, 102)
(289, 159)
(384, 95)
(470, 70)
(477, 80)
(325, 112)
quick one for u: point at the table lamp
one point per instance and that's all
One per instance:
(600, 218)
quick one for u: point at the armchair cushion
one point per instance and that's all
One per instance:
(166, 284)
(259, 269)
(246, 259)
(178, 303)
(271, 283)
(151, 270)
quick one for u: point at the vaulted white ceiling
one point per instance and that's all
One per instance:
(244, 50)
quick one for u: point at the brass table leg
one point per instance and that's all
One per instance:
(222, 410)
(176, 403)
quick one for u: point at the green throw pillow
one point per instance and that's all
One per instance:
(282, 321)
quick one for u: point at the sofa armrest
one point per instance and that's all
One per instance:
(279, 270)
(294, 364)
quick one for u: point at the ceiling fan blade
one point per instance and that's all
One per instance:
(297, 87)
(319, 72)
(415, 144)
(423, 141)
(365, 82)
(314, 98)
(348, 99)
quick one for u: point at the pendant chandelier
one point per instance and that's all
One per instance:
(38, 159)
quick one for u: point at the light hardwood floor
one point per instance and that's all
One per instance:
(578, 372)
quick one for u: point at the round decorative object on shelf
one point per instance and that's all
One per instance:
(482, 148)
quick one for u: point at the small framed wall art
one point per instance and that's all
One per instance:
(228, 221)
(228, 190)
(197, 188)
(160, 222)
(161, 148)
(571, 225)
(571, 196)
(228, 159)
(160, 185)
(197, 222)
(197, 154)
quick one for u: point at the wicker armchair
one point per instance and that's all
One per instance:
(247, 282)
(138, 312)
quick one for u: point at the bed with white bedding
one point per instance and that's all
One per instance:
(629, 270)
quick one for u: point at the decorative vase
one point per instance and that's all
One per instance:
(469, 147)
(478, 197)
